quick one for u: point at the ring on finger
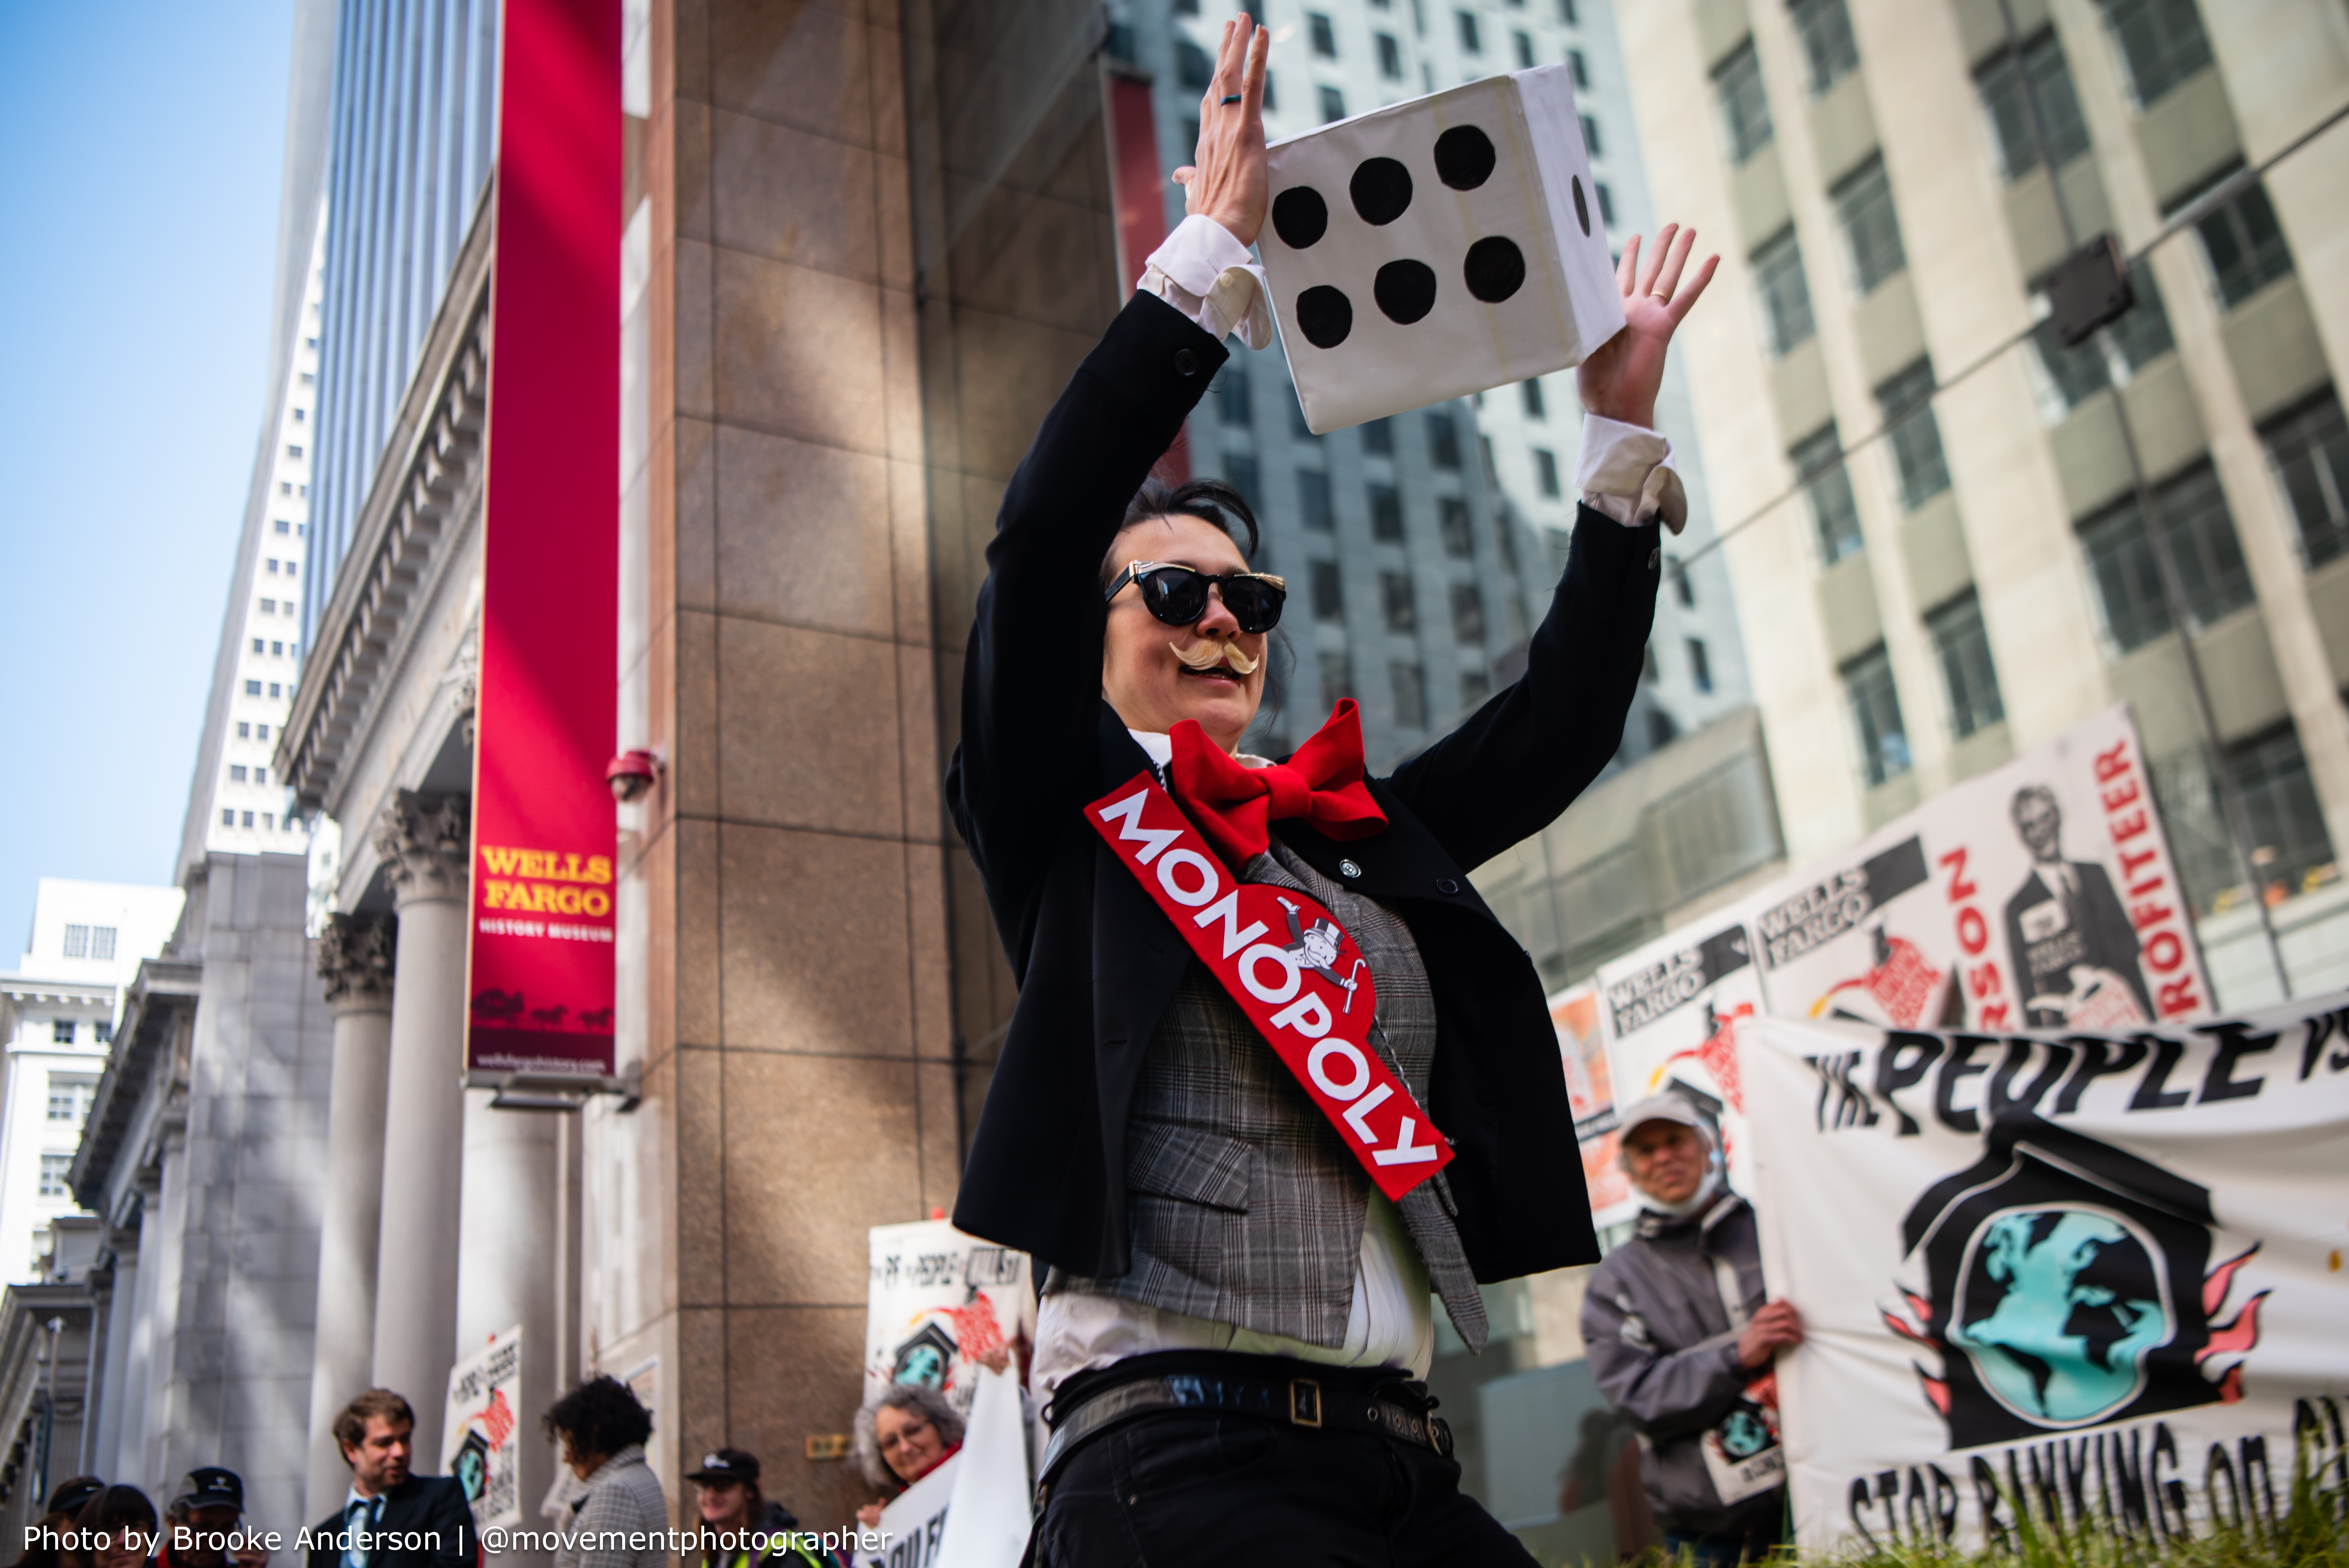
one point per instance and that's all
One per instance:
(1228, 100)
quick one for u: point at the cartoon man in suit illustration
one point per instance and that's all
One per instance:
(2071, 937)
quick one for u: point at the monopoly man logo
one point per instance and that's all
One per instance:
(1312, 998)
(2069, 1283)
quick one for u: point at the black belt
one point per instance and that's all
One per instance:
(1342, 1401)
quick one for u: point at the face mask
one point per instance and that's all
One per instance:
(1694, 1203)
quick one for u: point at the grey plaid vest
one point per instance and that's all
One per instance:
(1243, 1206)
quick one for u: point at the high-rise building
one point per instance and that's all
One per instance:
(1952, 534)
(57, 1018)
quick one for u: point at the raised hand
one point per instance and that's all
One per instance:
(1621, 378)
(1227, 179)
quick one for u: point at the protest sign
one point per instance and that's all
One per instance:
(1671, 1010)
(937, 1301)
(989, 1517)
(1590, 1093)
(913, 1528)
(482, 1441)
(2092, 1280)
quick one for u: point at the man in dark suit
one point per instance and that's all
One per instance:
(2075, 949)
(391, 1519)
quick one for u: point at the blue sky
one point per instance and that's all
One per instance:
(134, 284)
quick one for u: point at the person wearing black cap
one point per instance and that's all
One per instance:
(741, 1527)
(41, 1536)
(202, 1528)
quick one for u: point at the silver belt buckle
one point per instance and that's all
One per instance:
(1304, 1402)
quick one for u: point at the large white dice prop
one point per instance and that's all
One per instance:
(1438, 247)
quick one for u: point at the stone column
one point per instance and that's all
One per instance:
(102, 1439)
(423, 843)
(509, 1265)
(355, 958)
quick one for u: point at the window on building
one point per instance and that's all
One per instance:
(2290, 848)
(55, 1170)
(236, 773)
(228, 818)
(1683, 585)
(2310, 449)
(252, 687)
(61, 1030)
(2200, 534)
(1232, 404)
(1409, 683)
(1829, 52)
(1443, 440)
(258, 645)
(1590, 136)
(272, 565)
(284, 526)
(309, 380)
(299, 416)
(294, 452)
(2160, 43)
(2001, 83)
(1240, 473)
(1485, 454)
(1325, 36)
(1744, 108)
(1468, 613)
(1192, 68)
(1566, 13)
(70, 1098)
(1329, 594)
(1871, 229)
(2142, 334)
(1337, 676)
(1700, 666)
(244, 730)
(261, 732)
(1390, 56)
(1818, 464)
(1661, 731)
(1313, 499)
(1471, 43)
(1577, 69)
(103, 1030)
(1396, 598)
(1386, 513)
(1915, 437)
(284, 487)
(269, 606)
(261, 775)
(2244, 246)
(1452, 523)
(1786, 318)
(276, 689)
(76, 941)
(269, 819)
(101, 942)
(1546, 471)
(1522, 44)
(1530, 389)
(1606, 202)
(1963, 648)
(1333, 104)
(247, 818)
(1875, 706)
(1475, 685)
(1378, 437)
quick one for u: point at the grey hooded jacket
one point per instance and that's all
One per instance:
(1664, 1351)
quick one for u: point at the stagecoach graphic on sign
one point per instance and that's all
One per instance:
(2067, 1285)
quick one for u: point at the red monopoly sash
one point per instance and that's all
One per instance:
(1306, 997)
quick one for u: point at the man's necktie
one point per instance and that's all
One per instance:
(1234, 806)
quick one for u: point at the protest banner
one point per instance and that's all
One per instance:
(1590, 1093)
(1671, 1010)
(912, 1529)
(481, 1440)
(937, 1301)
(2077, 1279)
(989, 1520)
(2040, 894)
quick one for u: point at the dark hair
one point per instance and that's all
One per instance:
(49, 1526)
(116, 1508)
(351, 1422)
(1208, 499)
(599, 1417)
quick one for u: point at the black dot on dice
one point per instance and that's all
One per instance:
(1465, 157)
(1324, 315)
(1581, 207)
(1381, 190)
(1299, 216)
(1496, 269)
(1405, 290)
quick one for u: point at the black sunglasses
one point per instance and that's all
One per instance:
(1178, 594)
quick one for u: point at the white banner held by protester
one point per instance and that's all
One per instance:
(987, 1522)
(937, 1301)
(481, 1445)
(913, 1528)
(2078, 1279)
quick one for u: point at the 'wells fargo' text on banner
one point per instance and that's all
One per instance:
(540, 979)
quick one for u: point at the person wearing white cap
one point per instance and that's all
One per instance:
(1681, 1339)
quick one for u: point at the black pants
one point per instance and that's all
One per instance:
(1206, 1487)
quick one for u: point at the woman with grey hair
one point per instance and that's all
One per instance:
(902, 1437)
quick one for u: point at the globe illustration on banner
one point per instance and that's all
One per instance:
(2060, 1307)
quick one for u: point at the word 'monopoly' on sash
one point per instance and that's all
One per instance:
(1311, 997)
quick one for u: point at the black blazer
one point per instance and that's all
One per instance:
(430, 1505)
(1097, 962)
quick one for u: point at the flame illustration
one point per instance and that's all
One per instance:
(1937, 1389)
(1903, 984)
(2239, 1333)
(1209, 654)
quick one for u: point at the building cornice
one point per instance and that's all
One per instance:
(158, 1010)
(425, 497)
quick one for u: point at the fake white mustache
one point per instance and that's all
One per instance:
(1207, 655)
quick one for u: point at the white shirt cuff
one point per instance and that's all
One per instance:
(1626, 473)
(1206, 273)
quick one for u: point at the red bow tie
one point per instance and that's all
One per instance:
(1234, 805)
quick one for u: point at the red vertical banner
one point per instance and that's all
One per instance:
(1139, 186)
(541, 975)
